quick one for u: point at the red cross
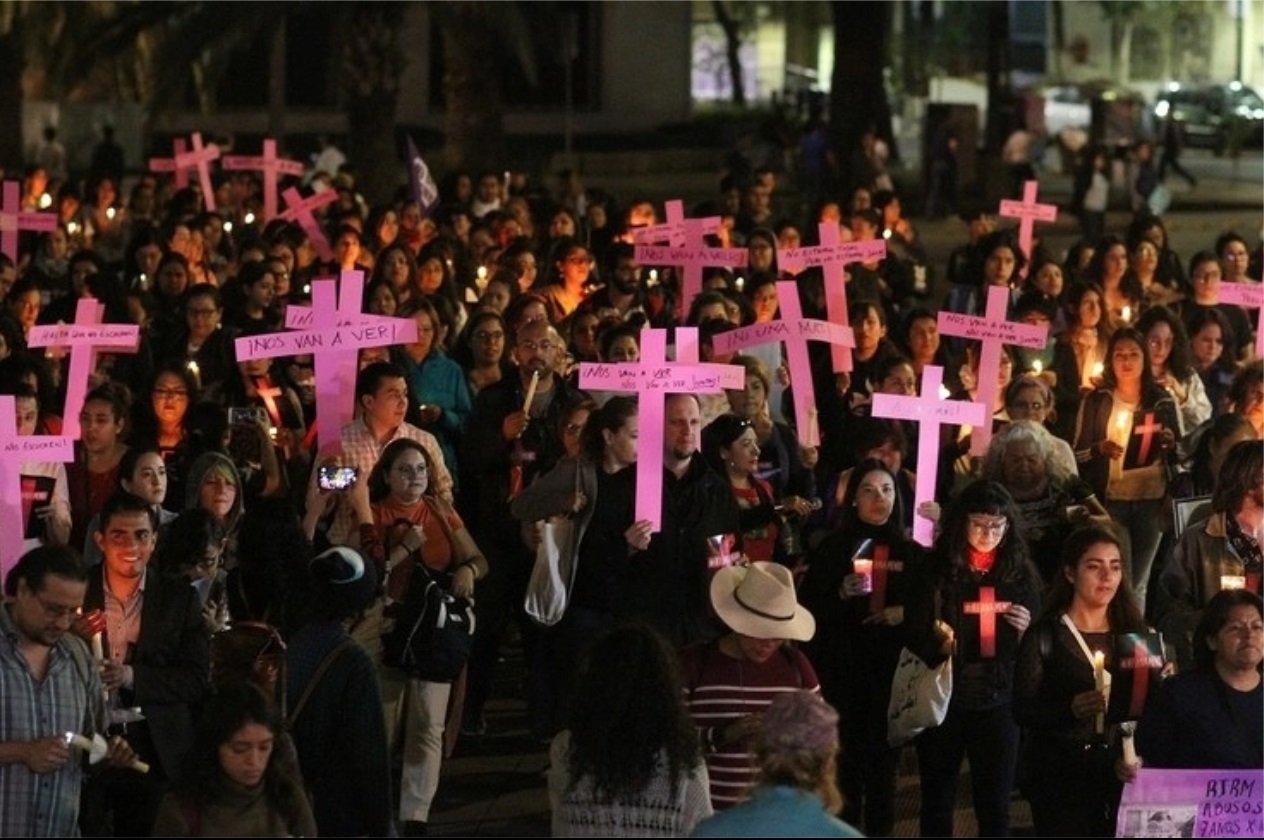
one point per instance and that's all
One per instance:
(986, 609)
(1147, 431)
(878, 598)
(1140, 663)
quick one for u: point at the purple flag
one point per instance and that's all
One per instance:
(425, 193)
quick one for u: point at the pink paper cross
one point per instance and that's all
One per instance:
(652, 379)
(15, 450)
(1028, 212)
(303, 211)
(677, 230)
(337, 333)
(930, 411)
(795, 331)
(691, 257)
(833, 255)
(200, 159)
(14, 220)
(1248, 296)
(179, 148)
(85, 338)
(272, 168)
(992, 330)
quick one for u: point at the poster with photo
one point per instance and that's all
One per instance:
(1192, 803)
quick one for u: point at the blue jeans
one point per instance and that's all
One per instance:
(989, 738)
(1140, 524)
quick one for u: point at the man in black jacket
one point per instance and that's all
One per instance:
(157, 658)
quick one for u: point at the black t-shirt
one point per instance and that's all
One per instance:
(604, 551)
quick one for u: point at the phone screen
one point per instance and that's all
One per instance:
(336, 478)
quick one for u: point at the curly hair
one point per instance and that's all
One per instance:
(628, 712)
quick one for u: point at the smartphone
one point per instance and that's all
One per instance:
(332, 477)
(246, 416)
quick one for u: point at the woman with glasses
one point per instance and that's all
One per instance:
(481, 351)
(406, 530)
(597, 491)
(1168, 352)
(1029, 397)
(1123, 434)
(565, 285)
(981, 584)
(859, 634)
(1070, 780)
(1205, 276)
(200, 343)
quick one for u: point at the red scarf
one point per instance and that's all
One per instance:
(980, 561)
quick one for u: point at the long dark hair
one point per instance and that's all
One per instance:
(233, 706)
(609, 418)
(893, 528)
(1215, 614)
(1178, 362)
(1124, 613)
(989, 497)
(1151, 393)
(628, 710)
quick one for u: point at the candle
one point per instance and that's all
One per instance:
(228, 227)
(1098, 369)
(109, 213)
(1121, 421)
(196, 372)
(944, 393)
(1037, 367)
(535, 381)
(864, 568)
(72, 227)
(1126, 730)
(741, 283)
(1233, 581)
(1099, 680)
(814, 429)
(1127, 314)
(653, 281)
(45, 201)
(249, 218)
(98, 648)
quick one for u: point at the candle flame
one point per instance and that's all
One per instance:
(249, 218)
(45, 201)
(109, 212)
(1037, 367)
(1127, 313)
(1098, 368)
(228, 227)
(944, 393)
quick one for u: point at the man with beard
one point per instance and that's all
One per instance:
(507, 444)
(157, 659)
(622, 295)
(667, 581)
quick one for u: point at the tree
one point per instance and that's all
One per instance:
(1122, 16)
(858, 96)
(732, 45)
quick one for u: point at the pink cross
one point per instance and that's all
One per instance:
(930, 411)
(991, 331)
(677, 229)
(200, 159)
(14, 220)
(795, 331)
(337, 333)
(1147, 430)
(272, 168)
(179, 148)
(1248, 296)
(986, 609)
(691, 257)
(15, 450)
(833, 255)
(303, 211)
(1028, 212)
(652, 379)
(85, 338)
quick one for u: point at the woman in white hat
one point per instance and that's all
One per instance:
(730, 681)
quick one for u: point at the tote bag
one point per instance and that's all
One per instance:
(919, 697)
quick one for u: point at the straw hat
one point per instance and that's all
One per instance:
(758, 601)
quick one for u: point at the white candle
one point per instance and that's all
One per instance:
(249, 218)
(1127, 314)
(740, 283)
(1121, 421)
(1098, 369)
(653, 281)
(864, 568)
(109, 213)
(98, 648)
(1037, 367)
(194, 369)
(1099, 680)
(535, 381)
(1233, 581)
(1129, 744)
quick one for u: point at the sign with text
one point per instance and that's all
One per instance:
(1192, 803)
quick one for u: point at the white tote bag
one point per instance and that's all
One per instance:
(919, 697)
(549, 589)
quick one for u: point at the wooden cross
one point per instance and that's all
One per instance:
(832, 256)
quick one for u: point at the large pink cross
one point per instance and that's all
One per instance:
(303, 211)
(1028, 212)
(652, 379)
(15, 450)
(14, 220)
(272, 168)
(336, 335)
(198, 158)
(986, 608)
(833, 255)
(795, 332)
(991, 331)
(691, 257)
(677, 230)
(86, 337)
(179, 148)
(1248, 296)
(930, 411)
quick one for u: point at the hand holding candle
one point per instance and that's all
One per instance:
(1100, 683)
(99, 749)
(864, 568)
(535, 381)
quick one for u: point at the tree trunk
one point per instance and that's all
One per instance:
(1057, 17)
(1125, 53)
(474, 132)
(858, 97)
(11, 152)
(732, 48)
(372, 63)
(1000, 99)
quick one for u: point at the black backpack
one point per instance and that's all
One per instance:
(434, 630)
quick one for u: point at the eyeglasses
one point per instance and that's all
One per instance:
(489, 337)
(171, 394)
(537, 346)
(411, 472)
(57, 610)
(995, 526)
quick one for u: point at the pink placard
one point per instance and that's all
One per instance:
(14, 220)
(271, 166)
(691, 259)
(991, 331)
(833, 255)
(1248, 296)
(351, 336)
(303, 211)
(1028, 212)
(652, 379)
(930, 412)
(85, 337)
(677, 229)
(15, 450)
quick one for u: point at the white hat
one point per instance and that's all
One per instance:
(758, 601)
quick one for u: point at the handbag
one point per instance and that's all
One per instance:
(919, 696)
(549, 589)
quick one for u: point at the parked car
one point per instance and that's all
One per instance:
(1207, 114)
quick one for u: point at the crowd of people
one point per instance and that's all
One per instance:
(728, 669)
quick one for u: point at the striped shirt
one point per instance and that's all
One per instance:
(68, 699)
(720, 690)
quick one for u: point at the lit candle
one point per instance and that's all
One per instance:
(535, 381)
(944, 393)
(1233, 581)
(98, 647)
(1037, 367)
(72, 227)
(1099, 680)
(1121, 421)
(480, 278)
(45, 201)
(228, 227)
(196, 372)
(864, 568)
(741, 283)
(1127, 314)
(653, 281)
(109, 213)
(249, 218)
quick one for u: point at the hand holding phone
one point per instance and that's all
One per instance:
(335, 477)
